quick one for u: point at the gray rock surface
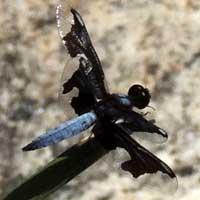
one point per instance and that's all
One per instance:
(152, 42)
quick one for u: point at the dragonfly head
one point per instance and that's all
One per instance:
(139, 96)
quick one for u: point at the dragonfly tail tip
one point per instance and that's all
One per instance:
(28, 147)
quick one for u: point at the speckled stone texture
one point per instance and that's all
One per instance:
(152, 42)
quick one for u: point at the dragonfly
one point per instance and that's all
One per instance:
(110, 115)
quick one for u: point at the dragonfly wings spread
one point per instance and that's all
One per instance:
(88, 75)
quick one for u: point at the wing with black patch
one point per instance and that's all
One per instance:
(135, 124)
(142, 161)
(75, 95)
(88, 75)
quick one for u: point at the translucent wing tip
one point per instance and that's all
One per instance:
(59, 20)
(163, 133)
(159, 136)
(63, 19)
(164, 182)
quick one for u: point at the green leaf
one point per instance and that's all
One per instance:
(59, 171)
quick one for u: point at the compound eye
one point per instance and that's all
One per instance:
(136, 90)
(139, 95)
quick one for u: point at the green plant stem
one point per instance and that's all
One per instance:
(59, 171)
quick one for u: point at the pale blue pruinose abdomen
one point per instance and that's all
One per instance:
(63, 131)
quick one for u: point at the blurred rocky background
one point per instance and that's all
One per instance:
(152, 42)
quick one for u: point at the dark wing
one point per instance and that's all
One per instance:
(88, 76)
(135, 124)
(142, 161)
(75, 95)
